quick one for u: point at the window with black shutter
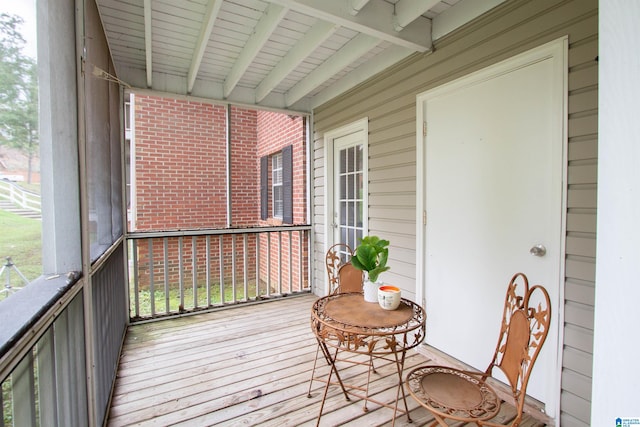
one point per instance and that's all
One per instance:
(276, 200)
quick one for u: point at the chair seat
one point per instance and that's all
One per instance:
(453, 393)
(465, 396)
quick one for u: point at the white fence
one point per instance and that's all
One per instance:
(19, 196)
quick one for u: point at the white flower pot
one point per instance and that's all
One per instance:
(371, 290)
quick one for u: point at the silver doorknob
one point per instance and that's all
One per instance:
(538, 250)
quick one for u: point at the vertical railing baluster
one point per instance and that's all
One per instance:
(48, 379)
(194, 271)
(165, 250)
(300, 260)
(268, 263)
(152, 295)
(181, 273)
(245, 267)
(2, 414)
(221, 267)
(290, 262)
(208, 268)
(279, 262)
(23, 392)
(136, 283)
(233, 267)
(258, 239)
(309, 265)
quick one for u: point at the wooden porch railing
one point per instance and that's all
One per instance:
(176, 272)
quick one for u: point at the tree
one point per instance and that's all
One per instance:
(18, 91)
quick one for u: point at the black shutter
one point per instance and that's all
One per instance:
(264, 187)
(287, 184)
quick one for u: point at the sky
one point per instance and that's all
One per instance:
(27, 10)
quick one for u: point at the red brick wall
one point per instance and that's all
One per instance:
(180, 177)
(245, 177)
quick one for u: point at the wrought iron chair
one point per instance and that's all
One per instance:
(349, 279)
(343, 277)
(455, 394)
(336, 257)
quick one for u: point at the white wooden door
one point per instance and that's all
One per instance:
(493, 186)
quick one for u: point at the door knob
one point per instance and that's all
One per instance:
(538, 250)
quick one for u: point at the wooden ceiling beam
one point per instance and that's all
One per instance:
(307, 44)
(267, 24)
(407, 11)
(375, 20)
(351, 51)
(213, 7)
(356, 6)
(148, 46)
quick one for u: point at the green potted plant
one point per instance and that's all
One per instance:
(371, 256)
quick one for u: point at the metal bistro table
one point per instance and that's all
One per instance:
(345, 322)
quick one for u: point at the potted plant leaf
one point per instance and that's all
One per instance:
(371, 256)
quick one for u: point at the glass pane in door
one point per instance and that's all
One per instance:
(350, 197)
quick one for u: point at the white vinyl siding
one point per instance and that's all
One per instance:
(389, 98)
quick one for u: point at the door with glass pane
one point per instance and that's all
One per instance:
(349, 217)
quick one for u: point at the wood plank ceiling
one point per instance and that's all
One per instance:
(284, 54)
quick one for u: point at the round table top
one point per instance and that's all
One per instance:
(353, 310)
(351, 314)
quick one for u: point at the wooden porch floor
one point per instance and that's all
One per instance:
(249, 365)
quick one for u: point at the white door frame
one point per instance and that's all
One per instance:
(329, 184)
(557, 49)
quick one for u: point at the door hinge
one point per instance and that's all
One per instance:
(424, 128)
(424, 217)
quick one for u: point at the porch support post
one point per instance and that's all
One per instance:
(228, 166)
(58, 128)
(616, 379)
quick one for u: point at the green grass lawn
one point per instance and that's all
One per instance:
(144, 297)
(22, 241)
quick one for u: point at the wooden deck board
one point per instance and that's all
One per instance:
(245, 366)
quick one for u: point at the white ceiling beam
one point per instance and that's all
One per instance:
(365, 71)
(459, 14)
(408, 11)
(356, 6)
(147, 41)
(307, 44)
(213, 7)
(267, 24)
(375, 20)
(351, 51)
